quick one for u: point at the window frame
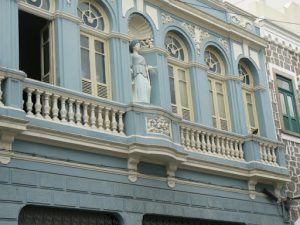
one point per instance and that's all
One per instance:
(249, 89)
(294, 103)
(94, 34)
(214, 78)
(183, 65)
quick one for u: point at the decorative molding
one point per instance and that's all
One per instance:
(152, 12)
(166, 18)
(126, 5)
(260, 88)
(159, 125)
(171, 170)
(251, 187)
(197, 34)
(241, 21)
(224, 43)
(132, 168)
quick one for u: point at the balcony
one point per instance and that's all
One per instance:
(43, 113)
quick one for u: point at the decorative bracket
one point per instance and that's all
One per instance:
(251, 187)
(171, 170)
(277, 189)
(132, 168)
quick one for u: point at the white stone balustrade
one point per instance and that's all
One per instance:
(211, 142)
(268, 153)
(51, 105)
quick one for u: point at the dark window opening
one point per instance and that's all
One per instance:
(39, 215)
(34, 55)
(172, 220)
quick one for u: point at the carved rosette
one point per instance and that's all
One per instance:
(197, 34)
(166, 18)
(241, 21)
(223, 42)
(158, 125)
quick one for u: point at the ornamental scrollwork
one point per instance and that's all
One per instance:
(242, 22)
(166, 18)
(223, 42)
(158, 125)
(197, 34)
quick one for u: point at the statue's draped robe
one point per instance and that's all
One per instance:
(141, 87)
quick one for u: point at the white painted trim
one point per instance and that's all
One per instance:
(290, 138)
(274, 69)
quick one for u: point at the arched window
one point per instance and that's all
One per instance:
(42, 4)
(94, 50)
(179, 79)
(248, 96)
(217, 89)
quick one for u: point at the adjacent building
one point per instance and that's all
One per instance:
(76, 148)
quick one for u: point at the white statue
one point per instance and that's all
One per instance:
(141, 88)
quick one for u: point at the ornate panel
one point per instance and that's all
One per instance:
(35, 215)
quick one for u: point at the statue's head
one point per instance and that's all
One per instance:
(132, 44)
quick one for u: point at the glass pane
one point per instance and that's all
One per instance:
(251, 115)
(46, 5)
(183, 94)
(291, 108)
(282, 101)
(170, 71)
(84, 41)
(248, 98)
(99, 47)
(45, 35)
(172, 91)
(212, 103)
(46, 58)
(100, 68)
(85, 63)
(221, 105)
(181, 75)
(284, 84)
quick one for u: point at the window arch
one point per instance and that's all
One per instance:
(94, 50)
(217, 89)
(42, 4)
(248, 96)
(180, 87)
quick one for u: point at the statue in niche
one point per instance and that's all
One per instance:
(141, 88)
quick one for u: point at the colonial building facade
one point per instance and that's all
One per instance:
(77, 148)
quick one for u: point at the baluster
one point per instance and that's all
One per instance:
(46, 106)
(182, 136)
(198, 143)
(223, 148)
(227, 149)
(208, 144)
(236, 149)
(99, 118)
(38, 105)
(241, 150)
(54, 109)
(85, 115)
(231, 148)
(29, 102)
(263, 152)
(274, 160)
(78, 113)
(92, 116)
(213, 145)
(120, 122)
(1, 92)
(269, 154)
(193, 142)
(106, 119)
(218, 145)
(71, 110)
(203, 141)
(63, 111)
(187, 138)
(113, 121)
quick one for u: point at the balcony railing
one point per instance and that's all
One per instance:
(56, 104)
(52, 103)
(211, 142)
